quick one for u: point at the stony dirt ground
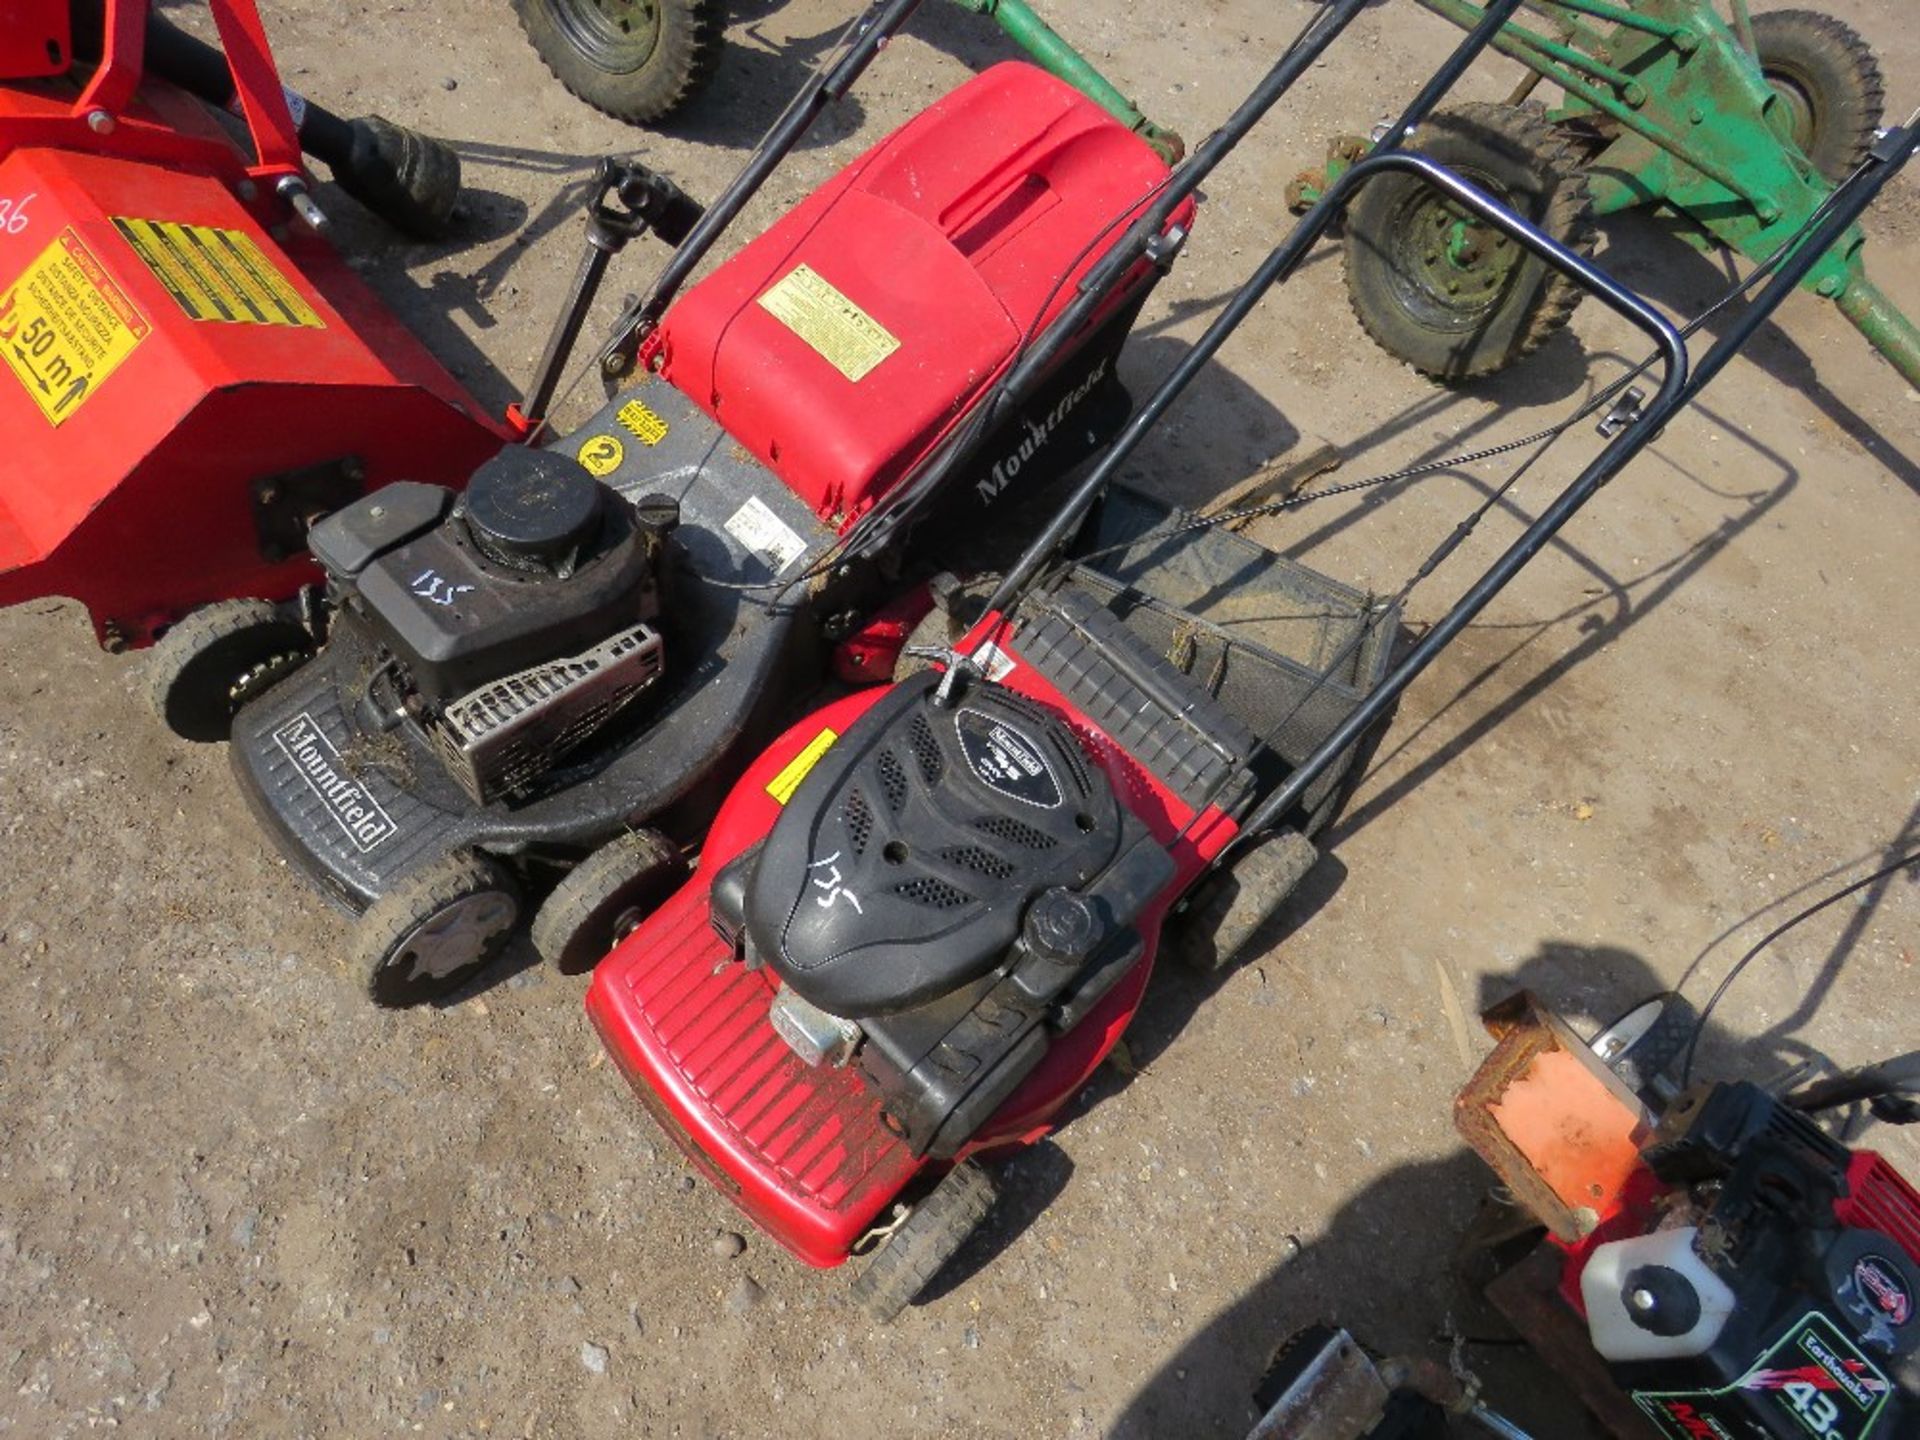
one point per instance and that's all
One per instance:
(236, 1200)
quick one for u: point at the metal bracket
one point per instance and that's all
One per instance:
(1625, 411)
(286, 504)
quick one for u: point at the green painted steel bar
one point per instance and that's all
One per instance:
(1462, 13)
(1631, 19)
(1882, 324)
(1630, 88)
(1056, 56)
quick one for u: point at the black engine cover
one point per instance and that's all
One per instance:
(538, 560)
(902, 868)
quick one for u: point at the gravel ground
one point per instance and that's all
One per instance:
(235, 1200)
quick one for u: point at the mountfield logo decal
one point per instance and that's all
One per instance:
(346, 799)
(1039, 432)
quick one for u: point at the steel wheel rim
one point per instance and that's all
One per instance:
(619, 36)
(1425, 235)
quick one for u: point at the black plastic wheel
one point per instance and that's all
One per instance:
(1645, 1044)
(437, 929)
(1229, 909)
(1829, 81)
(222, 655)
(605, 897)
(635, 60)
(927, 1239)
(1436, 288)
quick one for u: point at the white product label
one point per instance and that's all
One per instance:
(755, 526)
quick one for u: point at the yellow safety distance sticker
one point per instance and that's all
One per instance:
(219, 275)
(782, 786)
(647, 427)
(843, 334)
(65, 325)
(602, 455)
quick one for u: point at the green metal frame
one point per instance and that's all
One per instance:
(1055, 55)
(1694, 131)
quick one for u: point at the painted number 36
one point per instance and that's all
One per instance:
(1816, 1408)
(13, 213)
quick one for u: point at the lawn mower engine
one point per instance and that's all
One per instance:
(1765, 1285)
(1738, 1273)
(509, 624)
(930, 903)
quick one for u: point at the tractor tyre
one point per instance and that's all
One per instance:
(927, 1239)
(205, 668)
(436, 929)
(1829, 81)
(1451, 297)
(634, 60)
(604, 899)
(1231, 906)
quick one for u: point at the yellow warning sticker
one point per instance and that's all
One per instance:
(782, 786)
(647, 427)
(843, 334)
(65, 325)
(602, 455)
(219, 275)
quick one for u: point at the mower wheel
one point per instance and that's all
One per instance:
(1438, 289)
(437, 929)
(1644, 1045)
(635, 60)
(927, 1239)
(1229, 909)
(605, 897)
(1827, 78)
(221, 656)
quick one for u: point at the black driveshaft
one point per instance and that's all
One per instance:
(407, 179)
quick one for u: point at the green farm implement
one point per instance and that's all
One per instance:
(1733, 127)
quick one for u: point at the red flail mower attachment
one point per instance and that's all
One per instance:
(189, 373)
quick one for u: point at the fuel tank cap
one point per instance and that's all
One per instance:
(529, 507)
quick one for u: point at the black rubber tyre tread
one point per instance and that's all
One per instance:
(1545, 178)
(692, 36)
(410, 904)
(1834, 68)
(1231, 907)
(192, 669)
(929, 1237)
(574, 929)
(1660, 1049)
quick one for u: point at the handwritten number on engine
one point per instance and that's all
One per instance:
(432, 586)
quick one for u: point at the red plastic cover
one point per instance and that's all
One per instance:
(840, 344)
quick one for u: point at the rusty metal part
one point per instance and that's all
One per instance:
(1559, 1129)
(1337, 1395)
(1528, 1296)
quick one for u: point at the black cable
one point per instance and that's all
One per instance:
(1912, 857)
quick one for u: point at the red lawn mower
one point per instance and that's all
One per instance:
(546, 682)
(928, 912)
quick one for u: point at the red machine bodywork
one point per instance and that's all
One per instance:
(957, 236)
(803, 1150)
(138, 495)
